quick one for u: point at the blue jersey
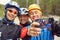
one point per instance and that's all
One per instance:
(46, 34)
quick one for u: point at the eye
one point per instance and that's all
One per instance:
(36, 12)
(10, 11)
(15, 12)
(31, 13)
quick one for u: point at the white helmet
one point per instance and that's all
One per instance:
(12, 4)
(24, 11)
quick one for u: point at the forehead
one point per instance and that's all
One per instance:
(12, 9)
(24, 15)
(35, 11)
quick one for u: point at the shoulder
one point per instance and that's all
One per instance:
(17, 26)
(1, 22)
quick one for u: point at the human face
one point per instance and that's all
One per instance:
(23, 19)
(11, 13)
(35, 14)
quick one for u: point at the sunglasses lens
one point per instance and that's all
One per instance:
(10, 11)
(14, 12)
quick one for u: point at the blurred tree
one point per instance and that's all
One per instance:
(48, 6)
(1, 10)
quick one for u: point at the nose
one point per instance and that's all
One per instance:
(33, 13)
(12, 13)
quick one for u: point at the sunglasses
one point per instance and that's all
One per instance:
(14, 12)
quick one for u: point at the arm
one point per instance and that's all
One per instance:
(32, 31)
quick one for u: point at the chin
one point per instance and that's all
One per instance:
(23, 22)
(11, 19)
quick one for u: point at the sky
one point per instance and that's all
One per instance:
(3, 2)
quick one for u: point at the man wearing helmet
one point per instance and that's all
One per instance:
(9, 30)
(23, 17)
(47, 31)
(24, 21)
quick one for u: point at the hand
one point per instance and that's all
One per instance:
(33, 31)
(35, 24)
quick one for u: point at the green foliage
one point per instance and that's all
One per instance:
(1, 10)
(25, 3)
(47, 6)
